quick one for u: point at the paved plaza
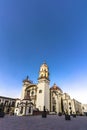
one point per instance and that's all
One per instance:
(52, 122)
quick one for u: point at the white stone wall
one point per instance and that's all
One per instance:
(43, 97)
(23, 92)
(16, 110)
(84, 109)
(59, 101)
(25, 85)
(73, 107)
(57, 104)
(47, 96)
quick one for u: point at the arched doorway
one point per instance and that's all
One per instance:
(54, 108)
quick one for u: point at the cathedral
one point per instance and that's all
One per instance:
(35, 96)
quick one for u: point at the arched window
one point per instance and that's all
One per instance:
(17, 104)
(28, 93)
(13, 104)
(32, 93)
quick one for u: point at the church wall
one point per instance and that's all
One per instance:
(47, 96)
(42, 97)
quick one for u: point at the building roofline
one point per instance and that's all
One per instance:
(7, 98)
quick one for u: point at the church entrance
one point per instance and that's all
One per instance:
(21, 111)
(29, 110)
(54, 108)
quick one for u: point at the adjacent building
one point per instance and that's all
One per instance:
(7, 104)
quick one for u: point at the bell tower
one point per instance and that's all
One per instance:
(43, 88)
(44, 72)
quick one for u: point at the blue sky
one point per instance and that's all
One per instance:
(32, 32)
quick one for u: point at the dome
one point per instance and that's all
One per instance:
(55, 87)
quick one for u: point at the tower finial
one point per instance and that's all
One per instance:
(44, 62)
(27, 77)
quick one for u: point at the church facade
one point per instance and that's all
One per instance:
(35, 96)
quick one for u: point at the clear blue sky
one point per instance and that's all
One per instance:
(34, 31)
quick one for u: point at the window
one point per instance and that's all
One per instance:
(32, 93)
(17, 104)
(70, 103)
(40, 91)
(6, 103)
(13, 104)
(28, 93)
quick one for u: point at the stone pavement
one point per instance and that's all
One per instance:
(52, 122)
